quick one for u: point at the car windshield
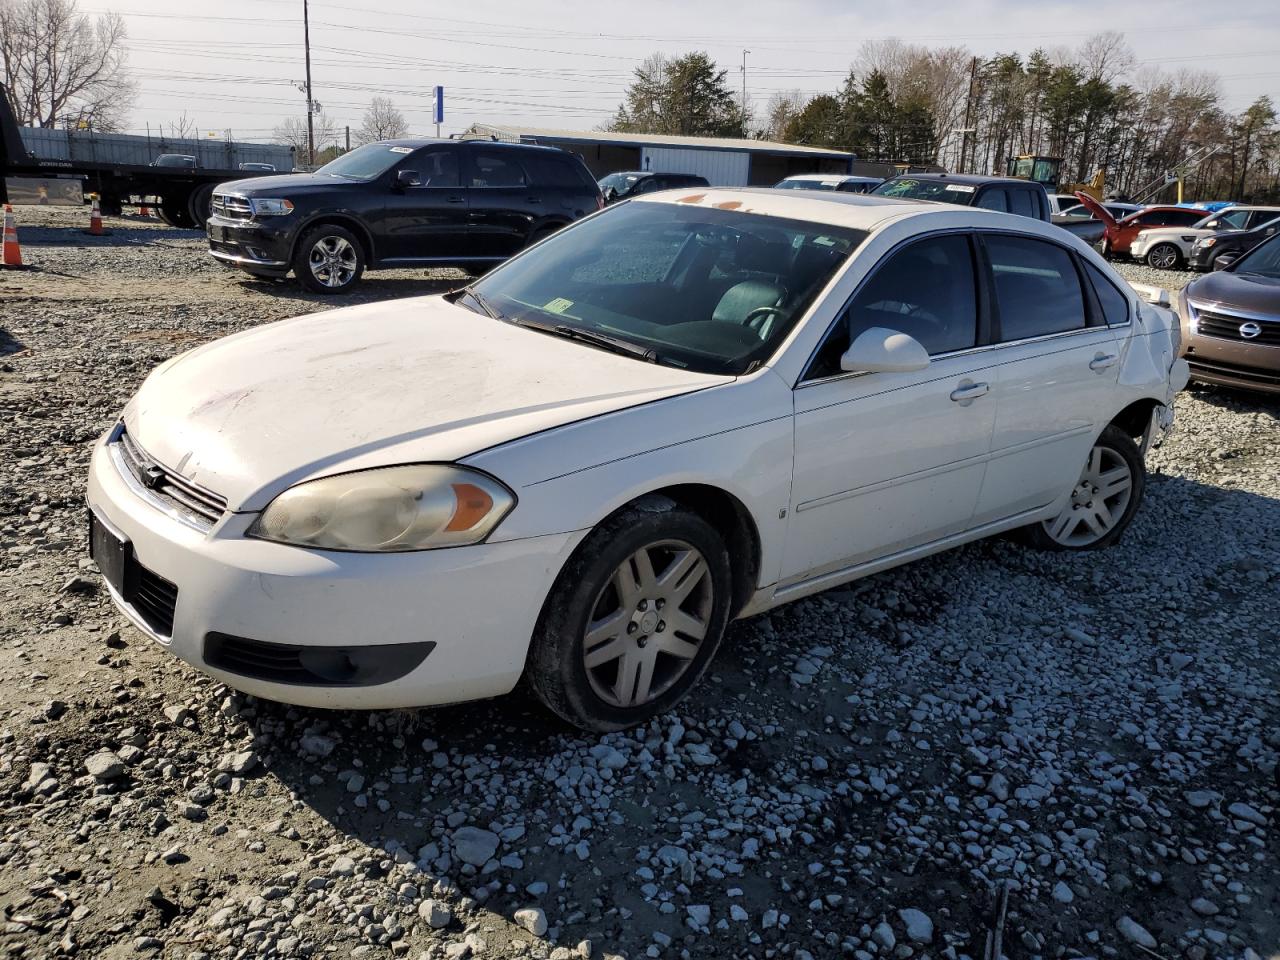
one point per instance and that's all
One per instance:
(909, 188)
(807, 184)
(1261, 261)
(367, 162)
(1230, 220)
(621, 182)
(710, 290)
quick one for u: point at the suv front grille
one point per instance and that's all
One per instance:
(1225, 326)
(201, 507)
(228, 207)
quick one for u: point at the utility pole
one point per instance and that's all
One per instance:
(744, 91)
(311, 132)
(968, 108)
(348, 138)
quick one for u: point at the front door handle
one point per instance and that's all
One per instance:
(966, 393)
(1102, 361)
(455, 199)
(533, 199)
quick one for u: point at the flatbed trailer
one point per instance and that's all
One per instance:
(181, 195)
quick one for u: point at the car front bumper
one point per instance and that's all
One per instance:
(261, 247)
(1233, 363)
(478, 605)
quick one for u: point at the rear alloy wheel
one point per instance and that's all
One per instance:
(328, 259)
(1102, 502)
(634, 618)
(1164, 256)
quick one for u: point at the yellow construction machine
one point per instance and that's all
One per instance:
(1045, 170)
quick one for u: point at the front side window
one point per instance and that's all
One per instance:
(435, 167)
(1156, 218)
(993, 199)
(1022, 202)
(1037, 289)
(711, 290)
(926, 290)
(491, 169)
(1184, 218)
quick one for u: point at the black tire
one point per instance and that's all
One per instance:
(1165, 256)
(176, 214)
(199, 205)
(1117, 447)
(341, 240)
(542, 233)
(163, 217)
(556, 669)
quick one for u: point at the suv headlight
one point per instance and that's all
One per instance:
(271, 208)
(1206, 242)
(388, 510)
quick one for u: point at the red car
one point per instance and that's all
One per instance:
(1121, 233)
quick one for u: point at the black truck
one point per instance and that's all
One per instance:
(1026, 198)
(185, 192)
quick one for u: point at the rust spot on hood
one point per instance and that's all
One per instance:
(693, 198)
(729, 205)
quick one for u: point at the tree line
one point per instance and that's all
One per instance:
(1093, 105)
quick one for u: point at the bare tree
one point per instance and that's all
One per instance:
(382, 121)
(62, 66)
(183, 128)
(780, 111)
(293, 133)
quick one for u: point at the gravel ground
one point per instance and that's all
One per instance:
(1090, 740)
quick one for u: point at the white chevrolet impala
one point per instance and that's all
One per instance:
(687, 409)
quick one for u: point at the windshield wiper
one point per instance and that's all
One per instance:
(602, 340)
(486, 307)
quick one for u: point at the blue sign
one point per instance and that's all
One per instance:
(439, 106)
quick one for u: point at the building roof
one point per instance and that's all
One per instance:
(613, 138)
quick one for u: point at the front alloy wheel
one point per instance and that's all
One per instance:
(1102, 502)
(328, 260)
(647, 623)
(634, 618)
(1164, 256)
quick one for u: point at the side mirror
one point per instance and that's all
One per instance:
(610, 194)
(1224, 261)
(881, 350)
(407, 178)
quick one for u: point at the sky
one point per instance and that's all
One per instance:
(234, 65)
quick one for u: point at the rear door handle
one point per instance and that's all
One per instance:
(455, 199)
(533, 199)
(1102, 361)
(966, 393)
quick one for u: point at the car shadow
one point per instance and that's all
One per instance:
(400, 782)
(1236, 399)
(116, 235)
(370, 289)
(9, 344)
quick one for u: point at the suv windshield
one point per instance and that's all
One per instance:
(367, 162)
(621, 182)
(807, 184)
(1261, 261)
(945, 191)
(715, 291)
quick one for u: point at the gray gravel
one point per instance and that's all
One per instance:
(863, 773)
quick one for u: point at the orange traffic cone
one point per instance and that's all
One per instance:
(12, 252)
(95, 220)
(144, 211)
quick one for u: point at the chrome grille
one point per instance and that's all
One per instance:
(193, 501)
(1226, 326)
(229, 207)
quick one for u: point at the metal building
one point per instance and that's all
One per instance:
(723, 161)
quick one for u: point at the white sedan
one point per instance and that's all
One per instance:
(687, 409)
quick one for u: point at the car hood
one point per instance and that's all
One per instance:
(1224, 288)
(271, 185)
(408, 381)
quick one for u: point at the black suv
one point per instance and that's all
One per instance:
(632, 183)
(399, 203)
(1229, 245)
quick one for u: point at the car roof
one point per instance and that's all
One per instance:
(416, 142)
(975, 179)
(833, 176)
(859, 211)
(650, 173)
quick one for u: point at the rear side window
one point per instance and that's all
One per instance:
(1037, 289)
(550, 170)
(1022, 202)
(993, 199)
(1184, 218)
(490, 168)
(435, 168)
(1115, 305)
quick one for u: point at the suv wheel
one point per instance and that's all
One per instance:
(328, 259)
(634, 619)
(1164, 256)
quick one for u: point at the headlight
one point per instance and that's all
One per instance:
(415, 507)
(271, 208)
(1207, 242)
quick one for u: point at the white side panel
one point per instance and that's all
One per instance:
(722, 168)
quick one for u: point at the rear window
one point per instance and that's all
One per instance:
(550, 170)
(1037, 288)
